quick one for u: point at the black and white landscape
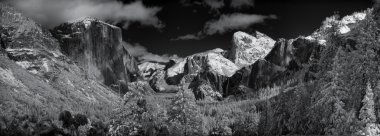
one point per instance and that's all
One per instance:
(189, 68)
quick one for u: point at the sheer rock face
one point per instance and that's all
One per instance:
(292, 53)
(286, 57)
(205, 91)
(155, 74)
(159, 84)
(33, 69)
(97, 47)
(210, 66)
(213, 67)
(247, 49)
(148, 69)
(211, 61)
(27, 43)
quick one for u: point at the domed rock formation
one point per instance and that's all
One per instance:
(148, 69)
(210, 66)
(211, 61)
(286, 57)
(247, 49)
(155, 74)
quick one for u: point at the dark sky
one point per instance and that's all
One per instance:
(294, 18)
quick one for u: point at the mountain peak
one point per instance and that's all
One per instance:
(87, 21)
(247, 49)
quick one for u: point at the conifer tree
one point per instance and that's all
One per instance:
(367, 112)
(184, 114)
(332, 95)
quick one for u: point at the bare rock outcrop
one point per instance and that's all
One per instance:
(97, 47)
(247, 49)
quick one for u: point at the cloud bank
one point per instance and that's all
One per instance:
(214, 4)
(188, 37)
(242, 3)
(142, 54)
(234, 21)
(219, 4)
(54, 12)
(227, 23)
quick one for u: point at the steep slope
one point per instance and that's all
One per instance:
(213, 61)
(148, 69)
(247, 49)
(37, 79)
(343, 97)
(210, 67)
(97, 48)
(214, 70)
(155, 74)
(289, 56)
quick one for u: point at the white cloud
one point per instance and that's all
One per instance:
(227, 23)
(197, 36)
(214, 4)
(234, 21)
(218, 4)
(242, 3)
(54, 12)
(142, 54)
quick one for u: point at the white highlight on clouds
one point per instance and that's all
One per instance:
(218, 4)
(54, 12)
(197, 36)
(234, 21)
(142, 54)
(242, 3)
(214, 4)
(227, 23)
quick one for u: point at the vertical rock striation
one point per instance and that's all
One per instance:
(97, 47)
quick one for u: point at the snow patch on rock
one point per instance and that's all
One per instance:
(247, 49)
(87, 21)
(344, 29)
(177, 68)
(45, 64)
(150, 65)
(322, 42)
(350, 19)
(220, 65)
(147, 68)
(7, 76)
(213, 60)
(24, 64)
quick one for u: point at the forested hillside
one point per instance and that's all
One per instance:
(79, 79)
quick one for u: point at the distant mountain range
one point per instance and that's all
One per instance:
(82, 66)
